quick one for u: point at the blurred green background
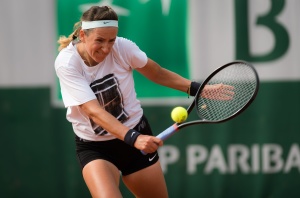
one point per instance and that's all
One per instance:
(254, 155)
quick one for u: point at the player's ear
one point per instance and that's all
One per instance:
(82, 36)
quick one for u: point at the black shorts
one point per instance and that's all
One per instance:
(126, 158)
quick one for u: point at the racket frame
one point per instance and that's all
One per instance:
(177, 126)
(192, 105)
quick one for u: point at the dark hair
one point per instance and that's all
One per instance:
(95, 13)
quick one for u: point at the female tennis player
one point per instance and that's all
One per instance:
(95, 71)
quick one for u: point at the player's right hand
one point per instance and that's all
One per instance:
(147, 143)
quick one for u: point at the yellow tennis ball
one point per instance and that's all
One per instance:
(179, 114)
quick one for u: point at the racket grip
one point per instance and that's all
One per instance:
(166, 134)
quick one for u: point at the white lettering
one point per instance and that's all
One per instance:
(215, 161)
(168, 155)
(238, 155)
(265, 159)
(255, 158)
(293, 159)
(196, 154)
(272, 161)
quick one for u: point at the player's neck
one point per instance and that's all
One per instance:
(85, 56)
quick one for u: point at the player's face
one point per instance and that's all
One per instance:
(99, 42)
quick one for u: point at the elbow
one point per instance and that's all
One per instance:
(91, 109)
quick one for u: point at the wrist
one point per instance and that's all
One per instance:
(194, 88)
(131, 136)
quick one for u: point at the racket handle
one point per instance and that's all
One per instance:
(166, 134)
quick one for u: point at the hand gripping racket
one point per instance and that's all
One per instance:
(227, 92)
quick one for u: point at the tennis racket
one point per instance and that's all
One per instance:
(226, 93)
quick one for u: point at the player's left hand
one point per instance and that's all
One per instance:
(218, 92)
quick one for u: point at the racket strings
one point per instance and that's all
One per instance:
(231, 89)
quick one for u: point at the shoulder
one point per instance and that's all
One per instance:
(67, 58)
(124, 43)
(128, 51)
(122, 40)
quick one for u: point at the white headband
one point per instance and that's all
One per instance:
(96, 24)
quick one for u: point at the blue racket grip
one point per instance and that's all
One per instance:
(166, 134)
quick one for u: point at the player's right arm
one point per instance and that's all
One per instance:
(108, 122)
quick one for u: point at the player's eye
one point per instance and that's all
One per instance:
(112, 40)
(100, 40)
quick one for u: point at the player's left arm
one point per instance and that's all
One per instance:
(154, 72)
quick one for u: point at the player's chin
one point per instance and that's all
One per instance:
(99, 59)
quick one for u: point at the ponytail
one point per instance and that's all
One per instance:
(65, 41)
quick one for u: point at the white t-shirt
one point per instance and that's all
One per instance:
(110, 82)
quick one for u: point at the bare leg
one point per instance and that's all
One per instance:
(147, 183)
(102, 179)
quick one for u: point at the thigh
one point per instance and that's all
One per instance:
(148, 182)
(102, 178)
